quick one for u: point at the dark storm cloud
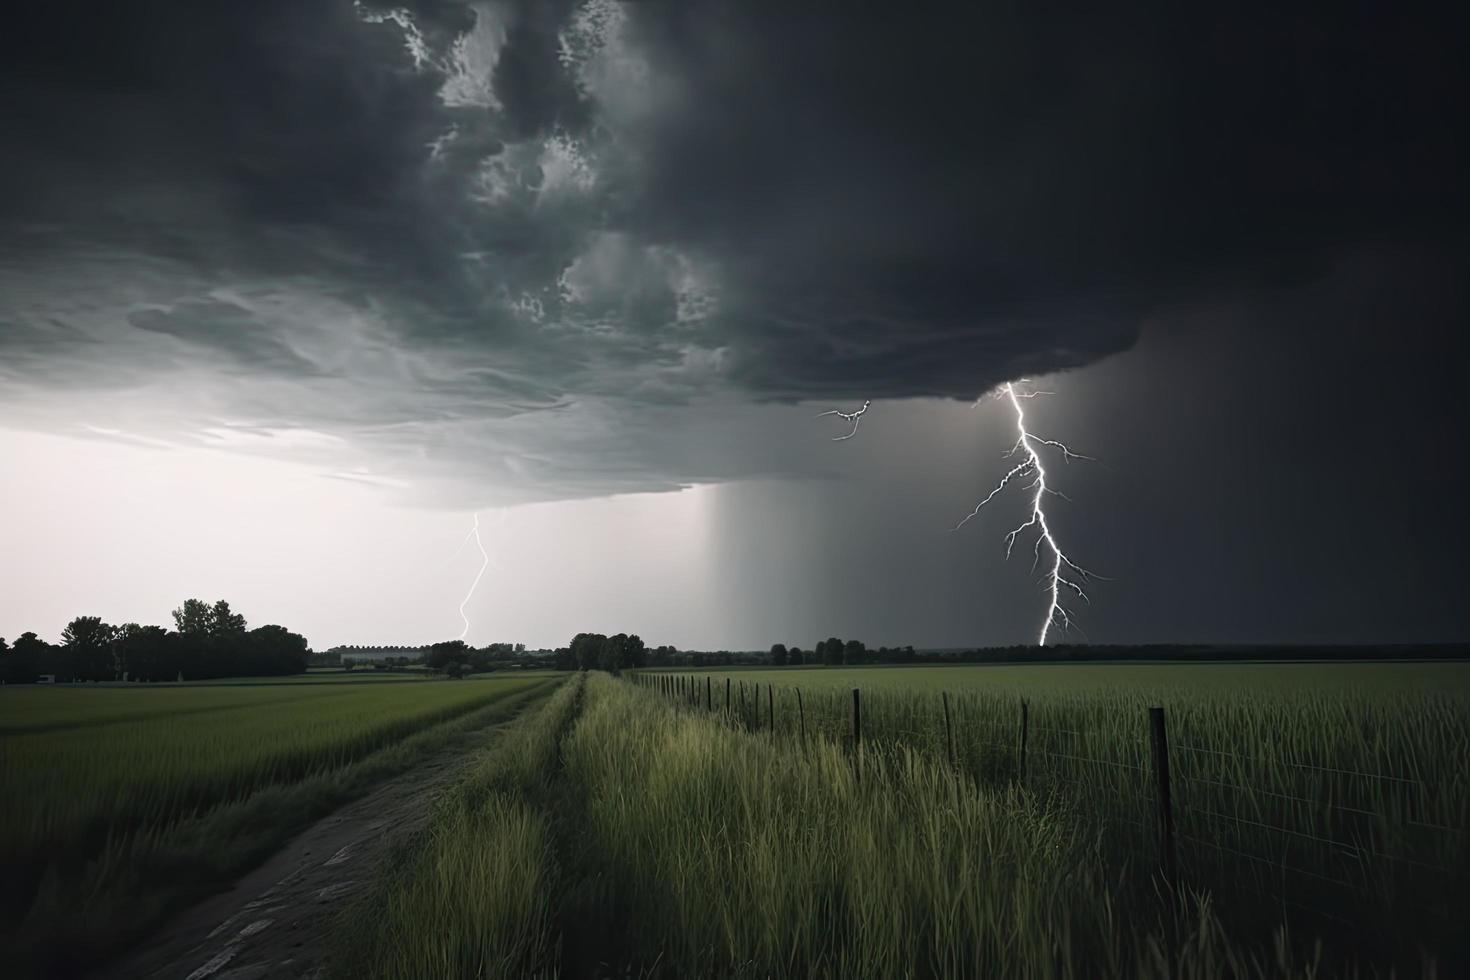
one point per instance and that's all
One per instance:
(228, 329)
(504, 238)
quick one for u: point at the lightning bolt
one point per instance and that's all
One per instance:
(484, 564)
(855, 418)
(1064, 574)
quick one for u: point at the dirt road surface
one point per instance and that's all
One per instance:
(270, 923)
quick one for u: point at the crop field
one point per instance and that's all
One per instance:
(635, 829)
(1155, 679)
(115, 804)
(362, 675)
(1330, 797)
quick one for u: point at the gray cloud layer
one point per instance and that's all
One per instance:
(545, 249)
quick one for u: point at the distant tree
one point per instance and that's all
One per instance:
(87, 641)
(455, 670)
(223, 622)
(276, 651)
(830, 651)
(143, 653)
(440, 655)
(632, 652)
(778, 654)
(854, 652)
(610, 656)
(194, 618)
(587, 650)
(27, 656)
(794, 657)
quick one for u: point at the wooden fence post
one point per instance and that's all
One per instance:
(1025, 725)
(801, 712)
(709, 701)
(948, 734)
(727, 695)
(1160, 738)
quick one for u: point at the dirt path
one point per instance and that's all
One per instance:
(270, 923)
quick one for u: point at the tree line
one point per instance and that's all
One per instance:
(208, 641)
(594, 651)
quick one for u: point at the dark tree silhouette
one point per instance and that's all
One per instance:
(223, 622)
(441, 655)
(28, 658)
(193, 618)
(88, 645)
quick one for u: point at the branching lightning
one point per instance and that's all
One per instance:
(855, 418)
(484, 564)
(1064, 573)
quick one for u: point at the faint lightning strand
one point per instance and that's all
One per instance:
(854, 417)
(1064, 573)
(484, 564)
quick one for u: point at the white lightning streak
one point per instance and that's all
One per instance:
(854, 417)
(1062, 567)
(484, 564)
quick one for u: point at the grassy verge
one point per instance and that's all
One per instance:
(616, 834)
(473, 896)
(86, 908)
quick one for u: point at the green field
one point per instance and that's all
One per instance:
(117, 803)
(990, 820)
(1320, 831)
(1160, 678)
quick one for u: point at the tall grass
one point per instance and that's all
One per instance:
(641, 837)
(474, 896)
(104, 828)
(1342, 812)
(735, 854)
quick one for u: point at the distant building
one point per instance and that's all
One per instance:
(46, 679)
(370, 654)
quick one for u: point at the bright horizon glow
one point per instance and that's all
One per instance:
(112, 528)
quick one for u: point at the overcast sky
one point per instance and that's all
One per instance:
(290, 290)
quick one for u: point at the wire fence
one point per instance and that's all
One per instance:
(1330, 842)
